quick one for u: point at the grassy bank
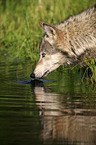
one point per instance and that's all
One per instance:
(20, 33)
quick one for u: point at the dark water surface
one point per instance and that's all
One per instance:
(62, 111)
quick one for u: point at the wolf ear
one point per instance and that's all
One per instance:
(48, 29)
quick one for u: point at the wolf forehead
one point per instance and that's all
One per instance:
(46, 46)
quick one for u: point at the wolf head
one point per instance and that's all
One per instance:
(52, 53)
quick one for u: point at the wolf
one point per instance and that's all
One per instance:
(67, 43)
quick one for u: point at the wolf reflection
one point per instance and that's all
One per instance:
(63, 120)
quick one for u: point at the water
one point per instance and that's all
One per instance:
(58, 110)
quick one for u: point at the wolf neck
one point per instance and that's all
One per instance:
(80, 32)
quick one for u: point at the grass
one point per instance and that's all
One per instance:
(20, 33)
(91, 64)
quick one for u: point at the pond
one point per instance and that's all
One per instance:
(58, 110)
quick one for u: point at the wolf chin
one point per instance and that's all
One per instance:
(67, 43)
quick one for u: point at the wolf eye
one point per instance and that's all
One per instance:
(43, 55)
(46, 35)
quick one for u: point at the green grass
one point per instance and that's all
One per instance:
(91, 64)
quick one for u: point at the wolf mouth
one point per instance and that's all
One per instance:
(45, 74)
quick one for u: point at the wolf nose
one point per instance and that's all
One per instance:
(32, 75)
